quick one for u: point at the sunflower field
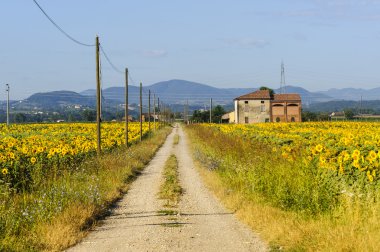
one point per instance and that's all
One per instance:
(303, 186)
(30, 150)
(350, 149)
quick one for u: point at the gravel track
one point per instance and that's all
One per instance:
(202, 223)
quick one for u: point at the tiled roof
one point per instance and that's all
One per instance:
(259, 94)
(287, 97)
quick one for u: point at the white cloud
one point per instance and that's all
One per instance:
(155, 53)
(331, 9)
(248, 42)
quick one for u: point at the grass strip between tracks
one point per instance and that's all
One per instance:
(170, 189)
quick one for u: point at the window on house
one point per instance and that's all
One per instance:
(266, 120)
(278, 119)
(246, 119)
(262, 101)
(246, 102)
(293, 119)
(262, 108)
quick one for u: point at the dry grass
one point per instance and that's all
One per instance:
(72, 224)
(353, 225)
(170, 189)
(176, 139)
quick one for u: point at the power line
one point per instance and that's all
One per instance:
(80, 43)
(131, 79)
(145, 91)
(114, 67)
(109, 61)
(59, 28)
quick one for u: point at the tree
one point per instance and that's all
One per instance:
(271, 91)
(20, 118)
(178, 115)
(349, 113)
(323, 116)
(309, 116)
(120, 115)
(204, 116)
(89, 115)
(217, 114)
(200, 116)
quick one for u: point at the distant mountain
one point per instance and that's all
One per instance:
(88, 92)
(306, 96)
(335, 106)
(117, 94)
(240, 91)
(56, 99)
(353, 94)
(179, 91)
(173, 92)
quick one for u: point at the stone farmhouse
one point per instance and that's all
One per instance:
(260, 106)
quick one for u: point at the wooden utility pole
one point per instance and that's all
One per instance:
(7, 103)
(126, 107)
(101, 98)
(149, 111)
(154, 111)
(141, 111)
(159, 110)
(187, 111)
(184, 113)
(98, 119)
(361, 101)
(210, 110)
(164, 112)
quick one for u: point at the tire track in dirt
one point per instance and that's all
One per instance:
(137, 223)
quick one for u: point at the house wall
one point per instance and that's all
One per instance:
(286, 112)
(252, 112)
(278, 112)
(294, 111)
(236, 116)
(232, 117)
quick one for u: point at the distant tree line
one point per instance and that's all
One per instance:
(308, 116)
(202, 116)
(88, 115)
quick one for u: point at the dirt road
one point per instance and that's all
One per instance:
(141, 223)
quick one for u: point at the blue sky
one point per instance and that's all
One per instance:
(224, 43)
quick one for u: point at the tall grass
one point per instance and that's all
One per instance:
(58, 212)
(293, 206)
(170, 189)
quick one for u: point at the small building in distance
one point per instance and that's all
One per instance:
(260, 106)
(340, 115)
(130, 118)
(229, 117)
